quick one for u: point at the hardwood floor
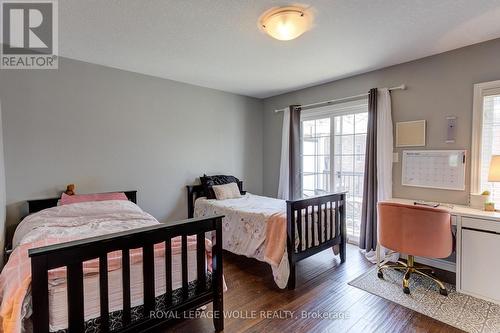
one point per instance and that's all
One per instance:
(321, 289)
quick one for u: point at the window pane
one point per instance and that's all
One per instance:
(347, 164)
(490, 143)
(308, 164)
(338, 125)
(308, 129)
(360, 144)
(308, 182)
(323, 146)
(348, 124)
(323, 127)
(361, 122)
(359, 164)
(323, 164)
(308, 146)
(337, 149)
(347, 144)
(316, 156)
(322, 183)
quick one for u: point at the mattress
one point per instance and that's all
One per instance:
(253, 211)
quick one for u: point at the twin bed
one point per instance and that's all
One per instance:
(108, 266)
(129, 274)
(274, 231)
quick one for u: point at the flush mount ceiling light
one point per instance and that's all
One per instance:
(286, 23)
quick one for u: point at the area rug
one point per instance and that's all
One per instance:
(461, 311)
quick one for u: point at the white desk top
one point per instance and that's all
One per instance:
(458, 210)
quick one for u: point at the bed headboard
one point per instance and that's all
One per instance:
(196, 191)
(41, 204)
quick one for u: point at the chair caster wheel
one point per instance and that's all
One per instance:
(406, 290)
(380, 275)
(443, 292)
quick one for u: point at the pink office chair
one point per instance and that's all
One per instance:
(415, 231)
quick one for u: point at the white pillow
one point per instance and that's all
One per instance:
(226, 191)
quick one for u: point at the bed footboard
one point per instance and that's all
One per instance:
(207, 287)
(313, 225)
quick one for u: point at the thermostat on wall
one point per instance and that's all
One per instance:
(451, 129)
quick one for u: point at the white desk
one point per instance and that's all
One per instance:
(477, 251)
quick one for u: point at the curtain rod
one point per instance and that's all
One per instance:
(335, 101)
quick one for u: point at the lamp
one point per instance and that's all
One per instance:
(286, 23)
(494, 174)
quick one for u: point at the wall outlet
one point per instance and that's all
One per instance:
(395, 157)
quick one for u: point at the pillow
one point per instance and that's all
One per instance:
(226, 191)
(70, 199)
(208, 181)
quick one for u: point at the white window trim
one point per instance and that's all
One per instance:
(480, 90)
(351, 107)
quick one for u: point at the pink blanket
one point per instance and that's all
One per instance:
(276, 233)
(16, 275)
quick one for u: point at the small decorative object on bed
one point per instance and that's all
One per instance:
(70, 189)
(278, 232)
(143, 270)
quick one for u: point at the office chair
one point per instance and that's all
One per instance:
(415, 231)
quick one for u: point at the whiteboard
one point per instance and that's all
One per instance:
(443, 169)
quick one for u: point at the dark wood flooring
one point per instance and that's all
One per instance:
(321, 288)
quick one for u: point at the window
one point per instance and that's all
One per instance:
(485, 137)
(333, 155)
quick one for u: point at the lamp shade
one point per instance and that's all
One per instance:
(494, 174)
(286, 23)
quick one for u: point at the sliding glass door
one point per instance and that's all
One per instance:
(333, 156)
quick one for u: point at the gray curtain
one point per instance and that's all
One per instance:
(368, 231)
(295, 163)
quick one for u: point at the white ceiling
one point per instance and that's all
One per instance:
(217, 44)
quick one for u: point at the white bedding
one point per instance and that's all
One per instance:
(93, 219)
(244, 227)
(82, 220)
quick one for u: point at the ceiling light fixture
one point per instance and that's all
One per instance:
(286, 23)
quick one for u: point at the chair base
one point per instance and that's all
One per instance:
(409, 269)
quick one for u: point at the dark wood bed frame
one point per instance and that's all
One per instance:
(73, 254)
(329, 205)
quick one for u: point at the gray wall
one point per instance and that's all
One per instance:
(2, 187)
(106, 129)
(438, 86)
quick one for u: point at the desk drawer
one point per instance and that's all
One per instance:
(480, 264)
(481, 224)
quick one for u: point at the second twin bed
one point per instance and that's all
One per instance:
(274, 231)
